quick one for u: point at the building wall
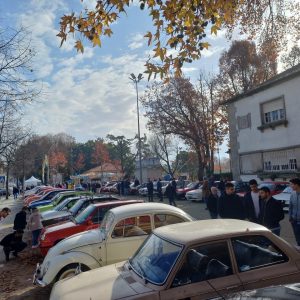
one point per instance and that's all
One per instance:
(253, 145)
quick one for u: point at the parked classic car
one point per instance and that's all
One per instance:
(63, 215)
(284, 197)
(88, 219)
(194, 260)
(45, 199)
(62, 196)
(181, 192)
(194, 195)
(122, 231)
(275, 187)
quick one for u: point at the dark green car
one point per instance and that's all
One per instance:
(61, 197)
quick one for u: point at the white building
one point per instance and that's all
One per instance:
(264, 127)
(150, 169)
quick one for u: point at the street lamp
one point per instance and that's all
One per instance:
(136, 80)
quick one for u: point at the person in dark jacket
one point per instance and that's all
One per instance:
(252, 202)
(20, 219)
(171, 192)
(271, 211)
(159, 190)
(230, 204)
(213, 202)
(13, 243)
(150, 190)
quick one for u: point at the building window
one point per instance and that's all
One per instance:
(273, 114)
(280, 161)
(293, 164)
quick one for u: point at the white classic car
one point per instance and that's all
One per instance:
(193, 260)
(194, 195)
(122, 231)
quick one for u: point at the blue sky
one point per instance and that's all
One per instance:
(90, 95)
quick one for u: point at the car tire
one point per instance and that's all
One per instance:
(69, 271)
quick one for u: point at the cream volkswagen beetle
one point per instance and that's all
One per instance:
(194, 260)
(122, 231)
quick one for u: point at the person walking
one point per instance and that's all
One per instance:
(171, 192)
(252, 202)
(294, 208)
(35, 226)
(4, 213)
(15, 192)
(13, 243)
(213, 202)
(230, 204)
(205, 191)
(159, 190)
(271, 211)
(20, 219)
(150, 190)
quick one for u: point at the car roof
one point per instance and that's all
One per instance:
(104, 203)
(147, 208)
(185, 233)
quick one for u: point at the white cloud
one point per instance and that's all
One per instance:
(136, 41)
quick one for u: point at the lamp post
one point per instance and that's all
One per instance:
(136, 80)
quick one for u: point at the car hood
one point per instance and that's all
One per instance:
(53, 214)
(110, 282)
(194, 191)
(282, 196)
(60, 226)
(75, 241)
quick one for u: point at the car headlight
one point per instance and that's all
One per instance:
(46, 267)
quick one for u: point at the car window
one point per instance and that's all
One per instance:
(133, 226)
(99, 214)
(166, 219)
(82, 216)
(71, 203)
(204, 263)
(253, 252)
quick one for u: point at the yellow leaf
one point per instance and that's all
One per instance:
(79, 46)
(108, 32)
(96, 41)
(149, 36)
(214, 29)
(205, 45)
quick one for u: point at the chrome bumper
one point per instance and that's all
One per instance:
(35, 279)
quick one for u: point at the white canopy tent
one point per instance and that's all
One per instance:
(32, 181)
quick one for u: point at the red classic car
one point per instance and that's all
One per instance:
(275, 187)
(90, 218)
(180, 192)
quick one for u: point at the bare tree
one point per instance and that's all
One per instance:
(178, 108)
(291, 58)
(166, 148)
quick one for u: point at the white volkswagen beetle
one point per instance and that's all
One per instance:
(122, 231)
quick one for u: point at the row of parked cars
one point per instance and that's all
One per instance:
(128, 249)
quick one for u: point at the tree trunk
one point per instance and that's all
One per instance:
(6, 183)
(200, 172)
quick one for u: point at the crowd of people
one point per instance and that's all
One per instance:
(257, 206)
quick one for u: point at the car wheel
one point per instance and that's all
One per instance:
(69, 271)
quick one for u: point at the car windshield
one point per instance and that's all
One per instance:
(107, 223)
(62, 204)
(75, 208)
(80, 218)
(191, 185)
(155, 259)
(54, 199)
